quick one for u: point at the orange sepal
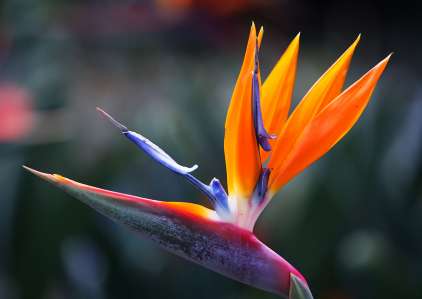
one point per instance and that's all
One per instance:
(277, 92)
(327, 86)
(329, 126)
(240, 145)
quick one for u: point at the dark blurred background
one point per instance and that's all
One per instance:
(352, 223)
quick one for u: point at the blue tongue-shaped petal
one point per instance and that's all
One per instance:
(215, 191)
(261, 134)
(157, 153)
(151, 149)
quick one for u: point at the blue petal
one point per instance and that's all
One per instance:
(261, 186)
(157, 153)
(260, 132)
(150, 148)
(220, 194)
(215, 191)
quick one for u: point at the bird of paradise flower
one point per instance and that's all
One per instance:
(258, 164)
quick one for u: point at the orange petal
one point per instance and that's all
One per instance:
(240, 145)
(277, 92)
(326, 86)
(330, 125)
(337, 85)
(260, 35)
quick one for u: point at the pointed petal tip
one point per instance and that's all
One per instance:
(351, 49)
(260, 32)
(33, 171)
(356, 42)
(29, 169)
(388, 57)
(260, 35)
(359, 37)
(295, 42)
(42, 175)
(112, 120)
(383, 63)
(253, 30)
